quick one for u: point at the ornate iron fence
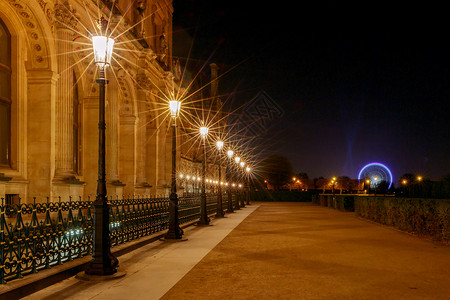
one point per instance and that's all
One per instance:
(36, 236)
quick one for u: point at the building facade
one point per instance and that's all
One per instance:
(49, 99)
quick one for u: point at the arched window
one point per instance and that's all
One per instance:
(5, 96)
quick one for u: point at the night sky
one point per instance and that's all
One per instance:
(357, 84)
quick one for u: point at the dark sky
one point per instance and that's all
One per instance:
(357, 84)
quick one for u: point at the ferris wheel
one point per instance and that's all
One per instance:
(376, 173)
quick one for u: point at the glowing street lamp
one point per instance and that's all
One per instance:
(248, 169)
(220, 213)
(228, 175)
(204, 131)
(103, 262)
(242, 164)
(103, 49)
(237, 159)
(174, 107)
(219, 145)
(174, 232)
(204, 220)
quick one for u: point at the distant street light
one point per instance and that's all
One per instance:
(242, 164)
(237, 159)
(248, 169)
(228, 176)
(220, 213)
(204, 220)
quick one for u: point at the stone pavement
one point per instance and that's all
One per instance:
(281, 250)
(151, 270)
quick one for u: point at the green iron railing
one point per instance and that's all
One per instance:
(36, 236)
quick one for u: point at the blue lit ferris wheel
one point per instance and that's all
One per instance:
(376, 173)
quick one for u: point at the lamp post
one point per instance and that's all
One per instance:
(228, 175)
(333, 182)
(368, 185)
(175, 232)
(204, 220)
(237, 159)
(242, 164)
(103, 262)
(220, 212)
(248, 169)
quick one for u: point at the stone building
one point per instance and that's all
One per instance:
(49, 99)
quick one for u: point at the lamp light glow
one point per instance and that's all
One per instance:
(230, 153)
(174, 107)
(203, 131)
(237, 159)
(103, 48)
(219, 145)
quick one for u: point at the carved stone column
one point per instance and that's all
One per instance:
(65, 23)
(114, 185)
(141, 133)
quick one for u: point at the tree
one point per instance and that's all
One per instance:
(382, 187)
(302, 175)
(277, 170)
(345, 182)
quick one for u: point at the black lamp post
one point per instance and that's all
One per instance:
(228, 175)
(103, 262)
(204, 220)
(333, 184)
(220, 212)
(175, 232)
(237, 159)
(242, 164)
(248, 169)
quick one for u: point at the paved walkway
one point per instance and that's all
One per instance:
(281, 250)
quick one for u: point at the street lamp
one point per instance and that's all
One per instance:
(333, 183)
(175, 232)
(248, 169)
(237, 159)
(228, 175)
(204, 220)
(242, 164)
(220, 212)
(103, 262)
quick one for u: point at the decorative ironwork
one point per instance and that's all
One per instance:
(36, 236)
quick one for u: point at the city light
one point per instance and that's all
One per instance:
(204, 131)
(103, 49)
(174, 107)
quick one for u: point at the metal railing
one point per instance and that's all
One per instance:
(36, 236)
